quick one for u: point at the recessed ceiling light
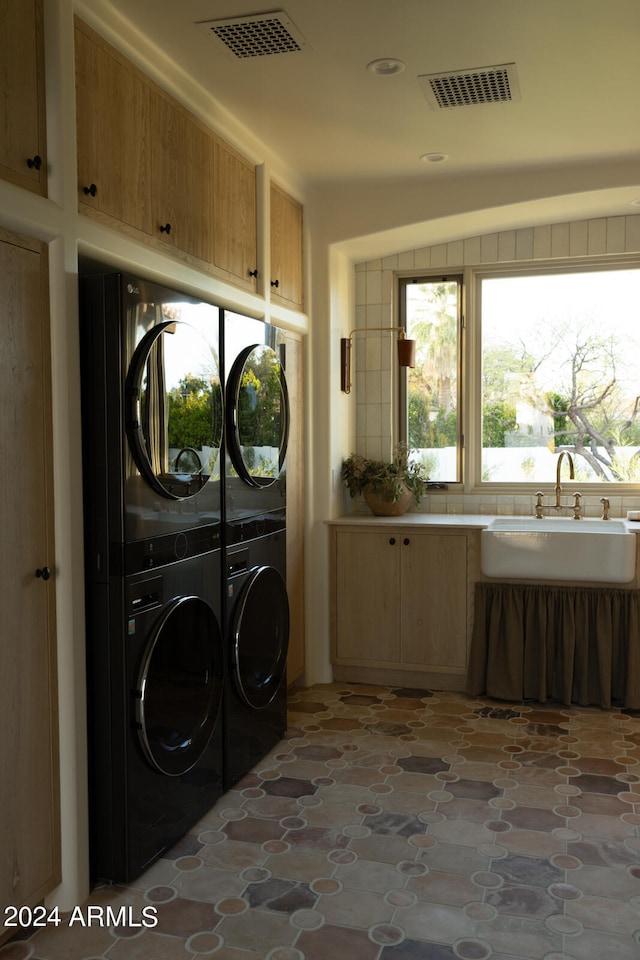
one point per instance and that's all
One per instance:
(386, 66)
(434, 157)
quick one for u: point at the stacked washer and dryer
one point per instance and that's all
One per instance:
(256, 603)
(187, 613)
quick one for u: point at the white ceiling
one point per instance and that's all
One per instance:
(330, 119)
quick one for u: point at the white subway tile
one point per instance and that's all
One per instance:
(579, 238)
(439, 255)
(471, 249)
(387, 286)
(560, 240)
(632, 234)
(406, 260)
(489, 248)
(541, 242)
(423, 258)
(615, 234)
(597, 237)
(506, 246)
(374, 286)
(455, 253)
(524, 244)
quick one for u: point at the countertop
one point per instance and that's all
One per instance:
(474, 521)
(466, 521)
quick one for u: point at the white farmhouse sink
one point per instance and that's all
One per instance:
(558, 548)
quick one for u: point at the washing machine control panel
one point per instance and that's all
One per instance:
(155, 552)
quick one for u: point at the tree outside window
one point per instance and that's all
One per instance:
(559, 372)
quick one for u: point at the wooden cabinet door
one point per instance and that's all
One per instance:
(368, 596)
(29, 783)
(181, 179)
(234, 216)
(23, 157)
(434, 599)
(112, 107)
(286, 249)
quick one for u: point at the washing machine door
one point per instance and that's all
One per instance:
(257, 415)
(260, 637)
(179, 692)
(174, 409)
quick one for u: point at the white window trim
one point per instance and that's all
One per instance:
(471, 366)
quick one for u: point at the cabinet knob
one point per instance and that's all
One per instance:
(165, 228)
(34, 163)
(392, 540)
(275, 283)
(253, 273)
(91, 190)
(44, 573)
(406, 541)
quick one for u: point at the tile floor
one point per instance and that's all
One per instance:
(396, 824)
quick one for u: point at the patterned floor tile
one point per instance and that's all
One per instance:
(399, 824)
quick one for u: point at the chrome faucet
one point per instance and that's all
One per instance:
(564, 453)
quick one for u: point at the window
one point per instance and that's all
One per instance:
(557, 358)
(431, 311)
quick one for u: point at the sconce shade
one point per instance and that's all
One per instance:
(407, 353)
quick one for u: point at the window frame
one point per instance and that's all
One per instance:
(469, 394)
(402, 419)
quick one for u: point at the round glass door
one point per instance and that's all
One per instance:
(258, 415)
(174, 410)
(260, 637)
(179, 693)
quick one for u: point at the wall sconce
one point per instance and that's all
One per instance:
(406, 353)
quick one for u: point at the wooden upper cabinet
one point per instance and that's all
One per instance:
(148, 166)
(286, 249)
(113, 131)
(23, 149)
(234, 216)
(181, 178)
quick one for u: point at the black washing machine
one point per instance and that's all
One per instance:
(156, 674)
(257, 634)
(152, 409)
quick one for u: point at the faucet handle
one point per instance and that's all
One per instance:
(605, 508)
(577, 515)
(539, 515)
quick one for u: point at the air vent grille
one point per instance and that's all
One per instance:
(259, 35)
(468, 88)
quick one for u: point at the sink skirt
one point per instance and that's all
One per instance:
(572, 644)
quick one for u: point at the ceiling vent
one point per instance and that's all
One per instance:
(467, 88)
(259, 35)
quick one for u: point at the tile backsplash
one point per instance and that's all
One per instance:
(506, 505)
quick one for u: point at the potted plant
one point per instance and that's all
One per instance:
(388, 486)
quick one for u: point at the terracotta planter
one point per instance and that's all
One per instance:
(382, 506)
